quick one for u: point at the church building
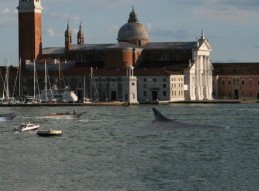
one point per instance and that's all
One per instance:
(133, 70)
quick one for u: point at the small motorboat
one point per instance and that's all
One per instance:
(7, 117)
(50, 132)
(27, 127)
(66, 115)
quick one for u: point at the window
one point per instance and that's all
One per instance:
(243, 82)
(164, 85)
(145, 93)
(164, 93)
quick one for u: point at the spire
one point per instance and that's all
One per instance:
(80, 35)
(68, 38)
(133, 17)
(68, 31)
(203, 35)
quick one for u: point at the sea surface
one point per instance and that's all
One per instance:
(108, 149)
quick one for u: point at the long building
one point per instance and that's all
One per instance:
(133, 69)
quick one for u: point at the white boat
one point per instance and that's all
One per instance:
(28, 127)
(7, 117)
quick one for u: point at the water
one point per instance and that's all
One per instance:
(107, 149)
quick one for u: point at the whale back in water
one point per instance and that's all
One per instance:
(161, 121)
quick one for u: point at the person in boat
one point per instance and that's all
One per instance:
(73, 112)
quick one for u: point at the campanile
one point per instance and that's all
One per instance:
(30, 30)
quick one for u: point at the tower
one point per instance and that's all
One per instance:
(80, 36)
(68, 38)
(30, 30)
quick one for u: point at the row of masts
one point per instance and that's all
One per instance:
(36, 89)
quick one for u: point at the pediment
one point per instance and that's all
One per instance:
(205, 46)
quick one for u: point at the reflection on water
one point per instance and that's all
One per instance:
(106, 149)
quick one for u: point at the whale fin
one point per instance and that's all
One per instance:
(159, 116)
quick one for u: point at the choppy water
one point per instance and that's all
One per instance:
(107, 149)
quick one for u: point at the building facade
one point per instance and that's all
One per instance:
(236, 81)
(181, 70)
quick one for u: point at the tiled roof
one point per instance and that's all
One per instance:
(156, 72)
(236, 68)
(171, 45)
(122, 45)
(53, 50)
(84, 47)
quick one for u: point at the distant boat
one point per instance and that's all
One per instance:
(7, 117)
(50, 132)
(28, 127)
(66, 115)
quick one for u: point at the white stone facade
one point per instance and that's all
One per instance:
(161, 88)
(198, 77)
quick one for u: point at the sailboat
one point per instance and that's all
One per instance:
(54, 94)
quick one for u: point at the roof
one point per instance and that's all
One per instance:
(157, 72)
(170, 45)
(244, 68)
(131, 31)
(53, 50)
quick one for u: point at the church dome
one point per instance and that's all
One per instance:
(133, 30)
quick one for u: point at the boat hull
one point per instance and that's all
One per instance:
(49, 133)
(63, 116)
(7, 117)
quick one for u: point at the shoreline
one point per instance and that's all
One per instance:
(118, 103)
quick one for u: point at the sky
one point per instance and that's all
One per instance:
(231, 26)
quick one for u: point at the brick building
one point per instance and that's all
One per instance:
(179, 70)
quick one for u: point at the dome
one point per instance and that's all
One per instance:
(133, 30)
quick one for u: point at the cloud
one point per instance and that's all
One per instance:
(223, 10)
(113, 29)
(7, 16)
(51, 32)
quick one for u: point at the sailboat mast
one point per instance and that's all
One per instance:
(19, 89)
(46, 82)
(7, 80)
(34, 80)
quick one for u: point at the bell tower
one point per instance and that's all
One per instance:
(30, 30)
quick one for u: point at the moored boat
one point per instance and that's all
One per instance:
(27, 127)
(7, 117)
(50, 132)
(66, 115)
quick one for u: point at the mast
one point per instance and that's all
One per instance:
(19, 89)
(34, 80)
(46, 82)
(7, 80)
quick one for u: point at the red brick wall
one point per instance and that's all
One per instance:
(30, 36)
(247, 86)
